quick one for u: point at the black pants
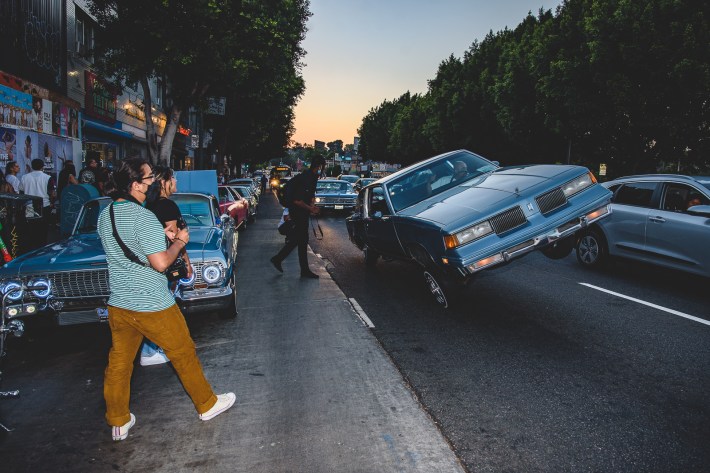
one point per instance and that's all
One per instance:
(299, 238)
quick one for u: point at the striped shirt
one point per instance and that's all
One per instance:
(134, 287)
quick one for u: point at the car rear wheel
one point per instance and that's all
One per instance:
(444, 291)
(371, 257)
(559, 249)
(591, 249)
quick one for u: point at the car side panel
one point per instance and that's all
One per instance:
(679, 240)
(625, 229)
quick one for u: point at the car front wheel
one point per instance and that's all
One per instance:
(444, 291)
(371, 257)
(591, 249)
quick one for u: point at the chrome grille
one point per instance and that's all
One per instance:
(550, 201)
(508, 220)
(337, 200)
(80, 283)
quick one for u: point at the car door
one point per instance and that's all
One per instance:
(626, 228)
(676, 238)
(379, 223)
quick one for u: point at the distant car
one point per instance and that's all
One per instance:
(236, 208)
(246, 193)
(351, 178)
(362, 182)
(457, 214)
(335, 195)
(657, 218)
(77, 272)
(246, 181)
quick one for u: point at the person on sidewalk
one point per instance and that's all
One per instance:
(299, 197)
(140, 304)
(40, 184)
(169, 216)
(11, 170)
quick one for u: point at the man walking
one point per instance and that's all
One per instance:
(38, 183)
(299, 196)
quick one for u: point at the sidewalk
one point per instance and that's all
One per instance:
(315, 391)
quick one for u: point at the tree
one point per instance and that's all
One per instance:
(198, 46)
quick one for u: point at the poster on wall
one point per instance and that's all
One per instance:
(8, 145)
(27, 149)
(46, 116)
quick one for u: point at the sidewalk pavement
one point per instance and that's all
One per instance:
(315, 391)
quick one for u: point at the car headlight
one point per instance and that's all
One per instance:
(578, 184)
(13, 289)
(211, 274)
(43, 287)
(317, 199)
(469, 234)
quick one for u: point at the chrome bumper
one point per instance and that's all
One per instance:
(538, 242)
(203, 300)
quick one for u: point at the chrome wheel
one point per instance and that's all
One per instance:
(591, 249)
(436, 289)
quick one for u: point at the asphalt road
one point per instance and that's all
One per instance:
(535, 371)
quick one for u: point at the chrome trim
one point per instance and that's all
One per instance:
(194, 295)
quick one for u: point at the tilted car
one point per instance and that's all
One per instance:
(457, 214)
(663, 219)
(77, 271)
(335, 195)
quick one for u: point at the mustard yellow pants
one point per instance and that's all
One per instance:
(167, 328)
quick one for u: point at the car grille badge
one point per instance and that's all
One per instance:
(530, 207)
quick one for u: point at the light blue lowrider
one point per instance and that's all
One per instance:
(77, 272)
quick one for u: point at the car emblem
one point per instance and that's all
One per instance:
(530, 207)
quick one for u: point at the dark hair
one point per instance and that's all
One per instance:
(163, 173)
(69, 166)
(129, 171)
(9, 166)
(37, 164)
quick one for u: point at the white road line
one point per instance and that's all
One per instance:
(665, 309)
(361, 313)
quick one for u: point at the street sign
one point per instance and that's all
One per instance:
(194, 141)
(602, 169)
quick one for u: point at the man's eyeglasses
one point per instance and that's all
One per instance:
(149, 176)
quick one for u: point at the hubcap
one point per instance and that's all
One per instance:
(435, 289)
(589, 249)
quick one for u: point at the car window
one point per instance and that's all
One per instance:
(333, 186)
(638, 194)
(194, 209)
(224, 195)
(679, 197)
(377, 202)
(90, 216)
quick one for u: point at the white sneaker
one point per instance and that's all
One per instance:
(120, 433)
(157, 358)
(224, 402)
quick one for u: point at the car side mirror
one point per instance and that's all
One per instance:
(699, 210)
(224, 218)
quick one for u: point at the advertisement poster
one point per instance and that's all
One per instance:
(8, 145)
(63, 120)
(73, 125)
(26, 149)
(46, 116)
(15, 107)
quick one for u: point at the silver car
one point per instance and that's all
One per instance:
(662, 219)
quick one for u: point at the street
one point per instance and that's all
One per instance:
(535, 371)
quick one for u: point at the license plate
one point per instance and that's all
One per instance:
(338, 207)
(102, 312)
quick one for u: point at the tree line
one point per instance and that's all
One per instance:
(620, 82)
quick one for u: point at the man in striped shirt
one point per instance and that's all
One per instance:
(141, 303)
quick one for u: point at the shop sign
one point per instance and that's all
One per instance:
(100, 99)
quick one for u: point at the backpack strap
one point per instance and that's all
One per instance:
(126, 251)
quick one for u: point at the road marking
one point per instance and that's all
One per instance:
(361, 313)
(655, 306)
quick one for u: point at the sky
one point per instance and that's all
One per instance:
(360, 53)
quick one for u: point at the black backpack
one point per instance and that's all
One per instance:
(283, 194)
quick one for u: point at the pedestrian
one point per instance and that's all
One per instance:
(168, 214)
(140, 304)
(299, 200)
(90, 174)
(263, 183)
(40, 184)
(67, 177)
(11, 170)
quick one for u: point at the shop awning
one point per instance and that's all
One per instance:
(96, 126)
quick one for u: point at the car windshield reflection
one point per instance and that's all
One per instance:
(90, 216)
(334, 187)
(195, 209)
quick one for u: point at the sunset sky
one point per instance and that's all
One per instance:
(362, 52)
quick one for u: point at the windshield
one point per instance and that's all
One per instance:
(334, 186)
(90, 216)
(437, 177)
(195, 209)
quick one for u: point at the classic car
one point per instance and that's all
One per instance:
(77, 273)
(246, 193)
(362, 182)
(351, 178)
(335, 195)
(246, 181)
(458, 213)
(236, 208)
(660, 219)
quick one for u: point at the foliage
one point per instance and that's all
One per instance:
(623, 82)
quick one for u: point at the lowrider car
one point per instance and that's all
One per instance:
(77, 273)
(335, 195)
(457, 214)
(236, 208)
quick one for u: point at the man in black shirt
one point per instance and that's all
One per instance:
(299, 197)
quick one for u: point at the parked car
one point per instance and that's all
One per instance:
(351, 178)
(246, 181)
(77, 273)
(660, 219)
(237, 209)
(335, 195)
(362, 182)
(244, 192)
(457, 214)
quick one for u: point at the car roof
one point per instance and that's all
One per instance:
(705, 180)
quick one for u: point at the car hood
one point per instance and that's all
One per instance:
(488, 194)
(86, 252)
